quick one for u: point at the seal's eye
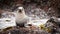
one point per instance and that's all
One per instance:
(29, 24)
(20, 11)
(0, 15)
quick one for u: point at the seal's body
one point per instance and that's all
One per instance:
(21, 18)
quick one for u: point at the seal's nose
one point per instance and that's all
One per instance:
(20, 11)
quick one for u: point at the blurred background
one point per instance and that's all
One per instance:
(52, 7)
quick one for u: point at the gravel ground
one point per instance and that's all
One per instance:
(22, 31)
